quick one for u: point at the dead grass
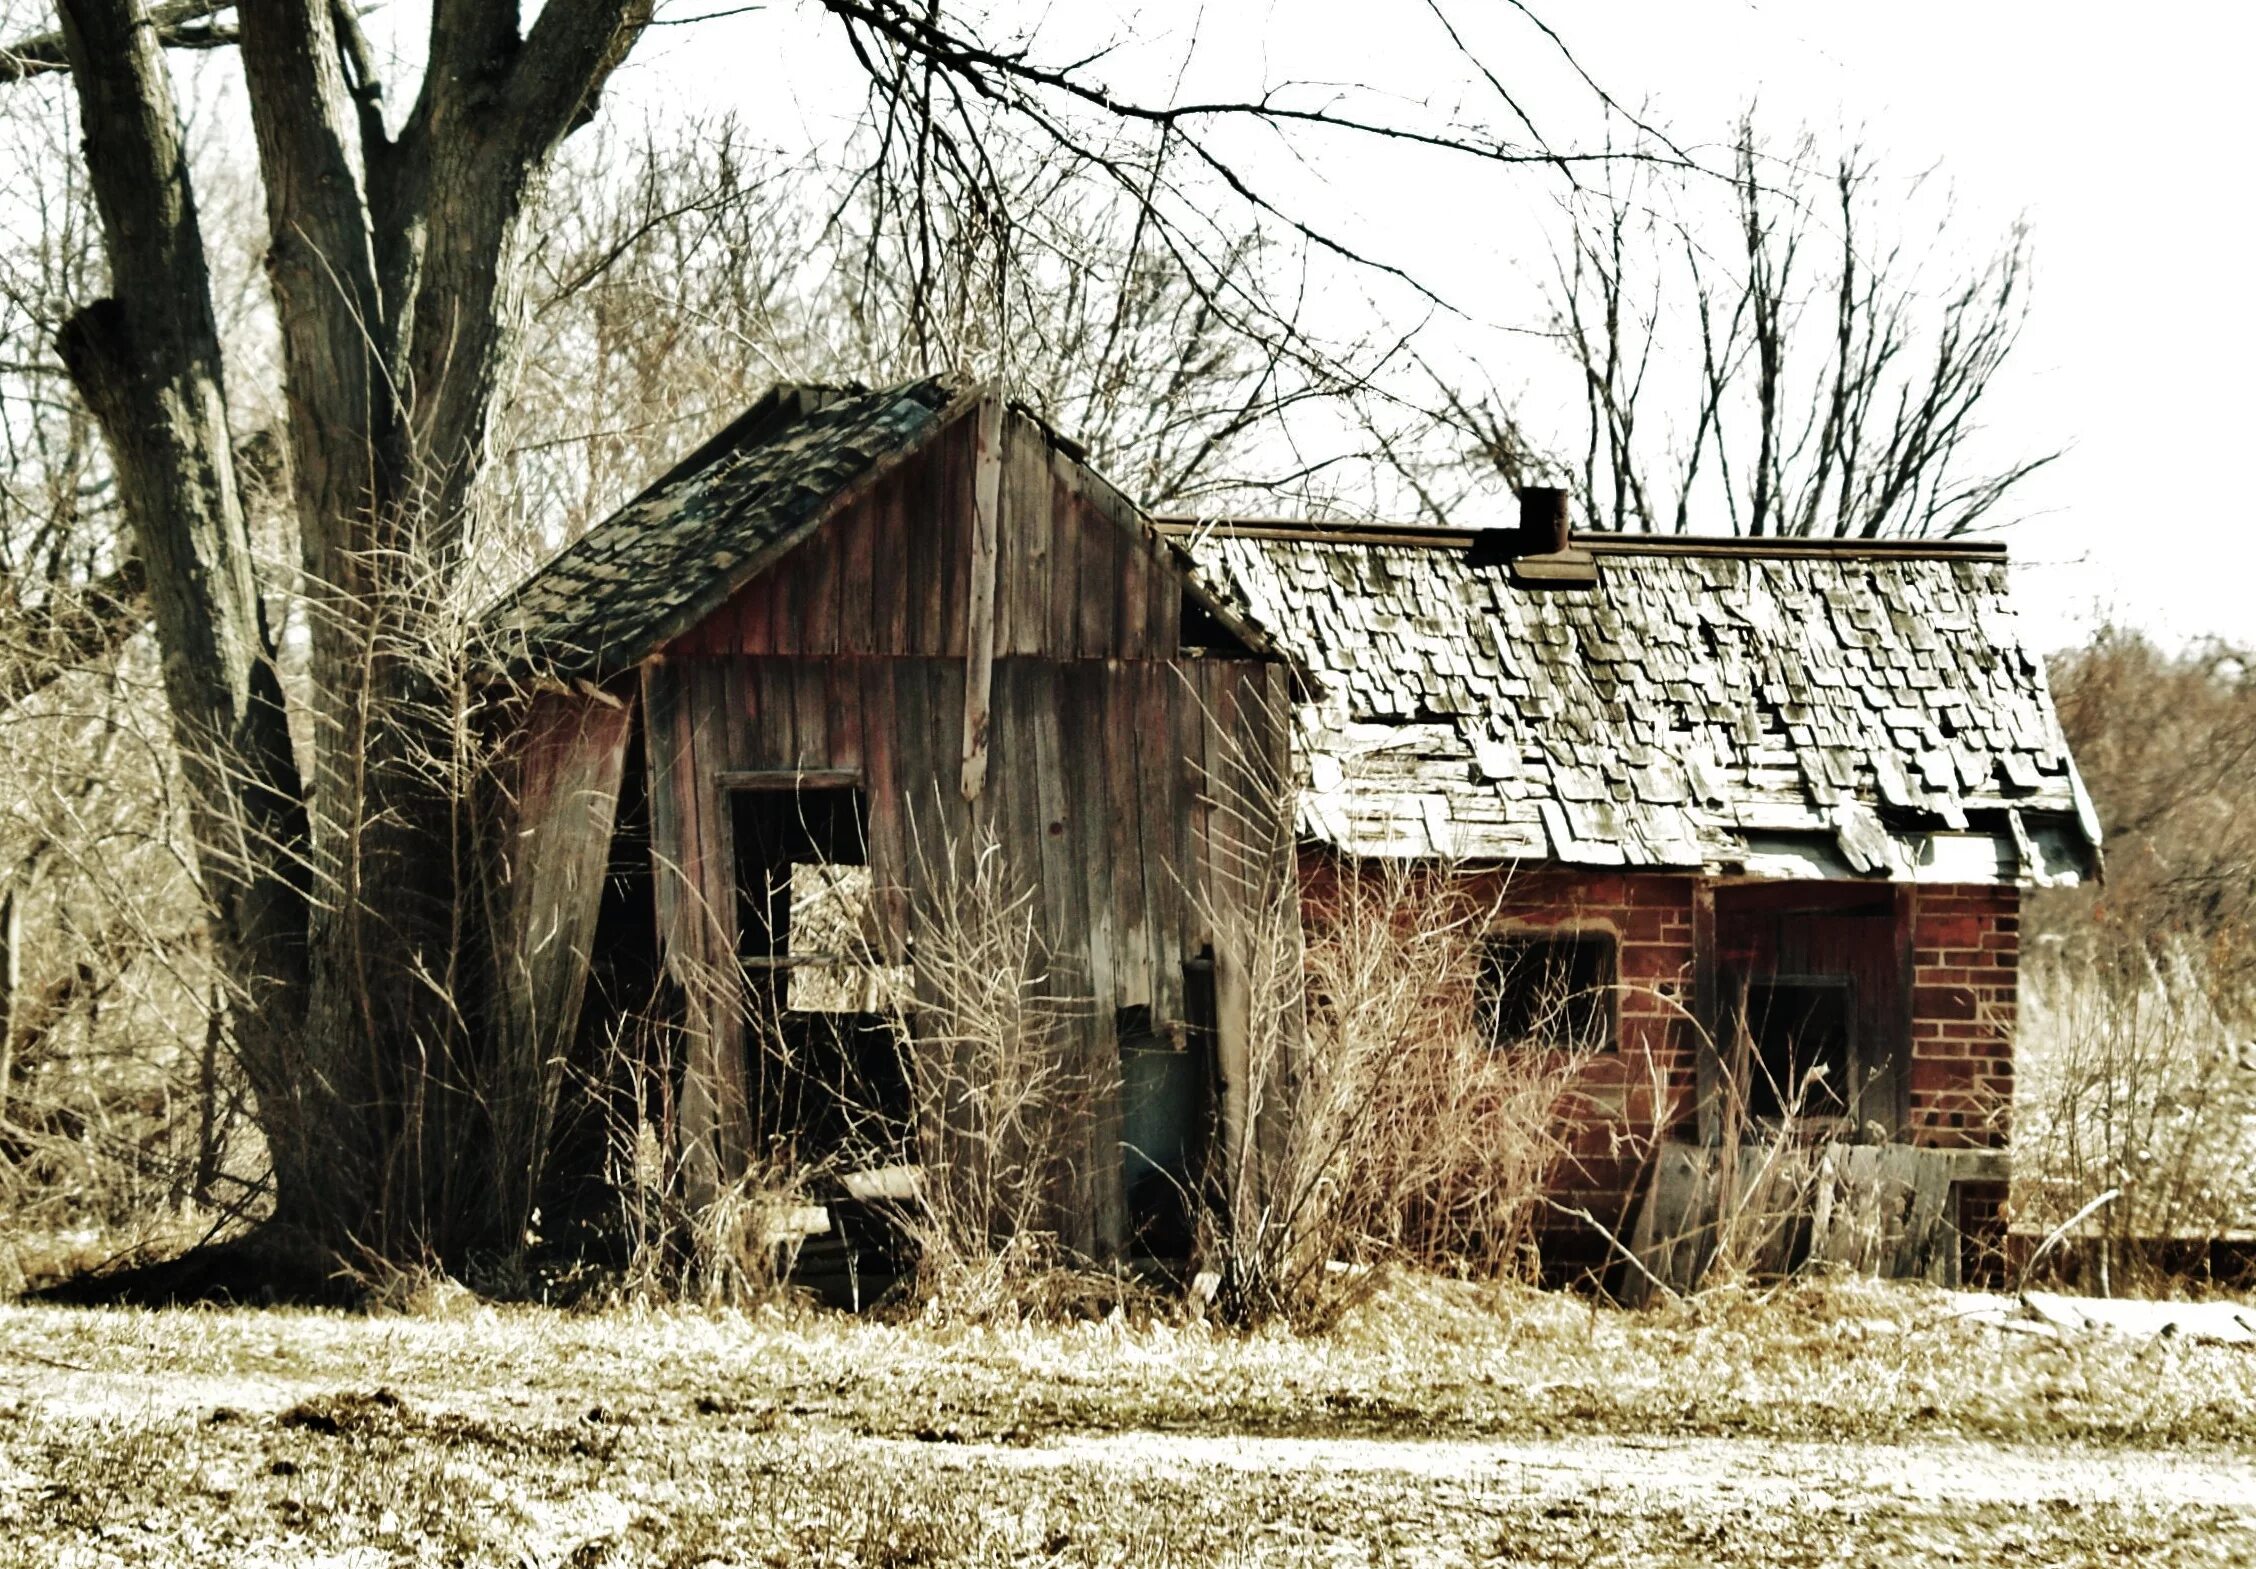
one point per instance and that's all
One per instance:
(1440, 1422)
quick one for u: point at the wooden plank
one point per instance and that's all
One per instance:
(755, 615)
(570, 758)
(856, 532)
(1035, 701)
(774, 744)
(1066, 529)
(819, 575)
(1097, 889)
(889, 575)
(787, 778)
(1165, 815)
(736, 714)
(1098, 591)
(1121, 795)
(957, 476)
(1029, 524)
(716, 911)
(1076, 699)
(986, 505)
(1166, 618)
(1233, 998)
(1188, 764)
(659, 685)
(842, 702)
(810, 714)
(1132, 619)
(669, 759)
(1708, 1016)
(786, 590)
(942, 718)
(889, 875)
(920, 549)
(1896, 1101)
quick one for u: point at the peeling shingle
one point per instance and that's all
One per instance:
(1685, 701)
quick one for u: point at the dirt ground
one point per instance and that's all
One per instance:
(1850, 1424)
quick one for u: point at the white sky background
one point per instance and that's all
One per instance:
(2115, 133)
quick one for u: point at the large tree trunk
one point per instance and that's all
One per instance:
(347, 910)
(147, 362)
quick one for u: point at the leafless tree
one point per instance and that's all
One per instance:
(2166, 742)
(1789, 365)
(335, 854)
(676, 273)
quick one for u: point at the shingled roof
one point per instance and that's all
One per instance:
(1780, 709)
(677, 552)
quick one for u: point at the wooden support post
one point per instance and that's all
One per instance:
(979, 671)
(1896, 1104)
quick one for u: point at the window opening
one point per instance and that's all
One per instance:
(1550, 989)
(1801, 1046)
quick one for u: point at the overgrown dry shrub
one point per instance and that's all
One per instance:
(1382, 1122)
(2136, 1070)
(1446, 1137)
(997, 1101)
(2136, 1084)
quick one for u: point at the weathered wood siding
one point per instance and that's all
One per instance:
(852, 655)
(890, 575)
(563, 799)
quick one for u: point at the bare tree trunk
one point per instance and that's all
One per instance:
(345, 924)
(147, 362)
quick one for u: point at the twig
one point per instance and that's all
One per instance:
(2021, 1286)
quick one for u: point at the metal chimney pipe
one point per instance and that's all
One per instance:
(1543, 520)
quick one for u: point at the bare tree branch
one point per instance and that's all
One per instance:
(178, 24)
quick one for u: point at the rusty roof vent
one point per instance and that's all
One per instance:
(1541, 552)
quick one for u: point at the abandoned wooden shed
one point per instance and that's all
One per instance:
(1772, 796)
(868, 630)
(1765, 808)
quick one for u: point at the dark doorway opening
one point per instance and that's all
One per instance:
(1814, 1022)
(1801, 1031)
(1167, 1109)
(824, 1070)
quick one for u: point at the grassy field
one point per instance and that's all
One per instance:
(1847, 1424)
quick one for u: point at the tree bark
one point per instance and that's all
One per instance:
(147, 362)
(391, 263)
(343, 902)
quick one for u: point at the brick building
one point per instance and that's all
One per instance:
(1772, 797)
(1764, 809)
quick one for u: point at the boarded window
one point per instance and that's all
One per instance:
(1801, 1039)
(1551, 989)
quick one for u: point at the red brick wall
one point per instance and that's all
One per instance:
(1965, 954)
(1966, 946)
(1648, 1081)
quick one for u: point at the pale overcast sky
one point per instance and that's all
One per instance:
(2111, 129)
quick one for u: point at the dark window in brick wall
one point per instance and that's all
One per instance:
(1551, 989)
(1803, 1031)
